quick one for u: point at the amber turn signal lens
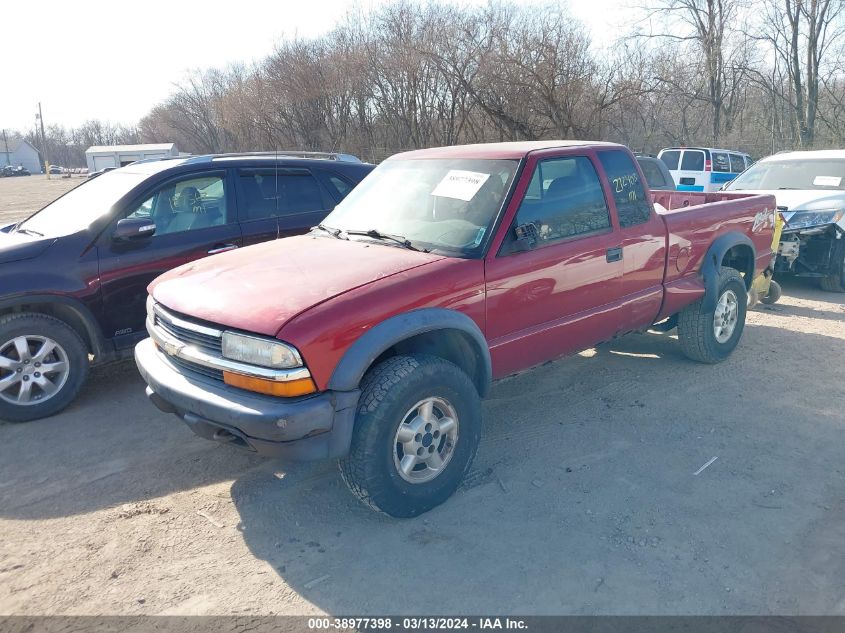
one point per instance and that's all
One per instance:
(289, 389)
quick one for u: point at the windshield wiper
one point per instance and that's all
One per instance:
(786, 188)
(29, 232)
(331, 231)
(403, 241)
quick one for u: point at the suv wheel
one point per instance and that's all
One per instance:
(43, 365)
(836, 281)
(416, 433)
(709, 336)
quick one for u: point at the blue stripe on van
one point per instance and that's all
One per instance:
(722, 177)
(690, 188)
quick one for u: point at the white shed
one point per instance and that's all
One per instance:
(20, 152)
(101, 156)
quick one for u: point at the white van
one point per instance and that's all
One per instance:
(703, 168)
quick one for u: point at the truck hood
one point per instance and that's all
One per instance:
(15, 247)
(260, 288)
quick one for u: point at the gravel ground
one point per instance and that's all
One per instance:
(583, 498)
(23, 195)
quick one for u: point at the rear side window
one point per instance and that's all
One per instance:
(671, 158)
(570, 201)
(737, 163)
(652, 172)
(721, 162)
(340, 186)
(257, 194)
(299, 193)
(693, 161)
(632, 206)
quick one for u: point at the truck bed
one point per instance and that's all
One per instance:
(694, 221)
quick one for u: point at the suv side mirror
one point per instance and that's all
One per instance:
(133, 229)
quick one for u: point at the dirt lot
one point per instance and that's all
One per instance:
(21, 196)
(583, 498)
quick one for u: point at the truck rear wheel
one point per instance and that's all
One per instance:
(836, 281)
(709, 336)
(43, 365)
(416, 434)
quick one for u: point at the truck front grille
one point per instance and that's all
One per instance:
(192, 337)
(203, 337)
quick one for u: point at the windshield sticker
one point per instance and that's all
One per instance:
(827, 181)
(460, 184)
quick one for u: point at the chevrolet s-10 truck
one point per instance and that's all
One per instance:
(374, 338)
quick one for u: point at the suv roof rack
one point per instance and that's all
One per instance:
(207, 158)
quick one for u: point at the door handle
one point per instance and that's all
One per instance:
(614, 254)
(222, 248)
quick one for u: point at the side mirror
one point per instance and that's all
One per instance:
(527, 237)
(133, 229)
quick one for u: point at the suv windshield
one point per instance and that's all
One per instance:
(823, 174)
(79, 207)
(435, 204)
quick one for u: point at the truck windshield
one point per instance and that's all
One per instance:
(823, 174)
(435, 204)
(79, 207)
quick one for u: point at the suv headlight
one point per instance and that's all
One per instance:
(260, 351)
(807, 219)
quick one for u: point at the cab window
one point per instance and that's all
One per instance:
(186, 205)
(564, 200)
(632, 205)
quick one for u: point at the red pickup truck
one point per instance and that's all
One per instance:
(374, 338)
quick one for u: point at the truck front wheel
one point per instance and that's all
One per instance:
(416, 434)
(709, 336)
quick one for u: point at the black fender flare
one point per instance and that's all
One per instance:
(378, 339)
(713, 262)
(83, 317)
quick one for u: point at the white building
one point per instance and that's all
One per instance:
(101, 156)
(20, 152)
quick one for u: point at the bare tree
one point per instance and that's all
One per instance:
(709, 28)
(801, 34)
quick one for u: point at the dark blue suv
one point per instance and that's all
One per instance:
(73, 276)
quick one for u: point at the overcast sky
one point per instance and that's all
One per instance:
(114, 60)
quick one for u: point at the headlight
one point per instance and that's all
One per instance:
(807, 219)
(260, 351)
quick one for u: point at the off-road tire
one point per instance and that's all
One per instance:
(695, 324)
(33, 324)
(774, 293)
(836, 281)
(388, 391)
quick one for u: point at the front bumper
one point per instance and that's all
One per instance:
(312, 427)
(810, 252)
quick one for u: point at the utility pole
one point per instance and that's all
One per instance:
(43, 141)
(6, 147)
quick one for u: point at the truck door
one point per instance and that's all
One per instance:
(555, 292)
(193, 217)
(642, 238)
